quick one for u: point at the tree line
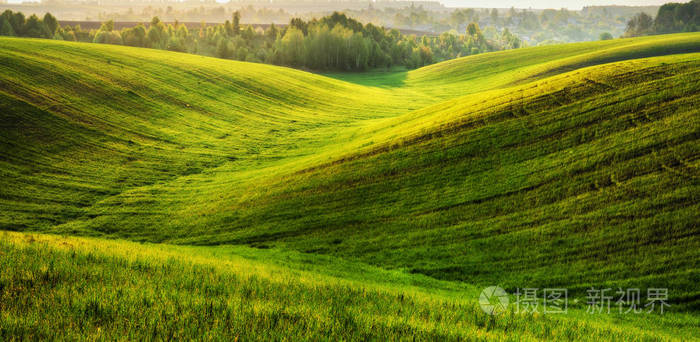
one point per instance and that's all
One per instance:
(334, 42)
(671, 18)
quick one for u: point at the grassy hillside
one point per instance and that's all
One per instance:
(589, 178)
(562, 166)
(98, 289)
(84, 122)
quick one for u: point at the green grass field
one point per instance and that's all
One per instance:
(101, 289)
(268, 203)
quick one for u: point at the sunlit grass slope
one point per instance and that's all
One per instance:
(91, 289)
(82, 122)
(587, 178)
(571, 166)
(489, 71)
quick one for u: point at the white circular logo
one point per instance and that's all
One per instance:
(494, 300)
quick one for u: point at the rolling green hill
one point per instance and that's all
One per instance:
(562, 166)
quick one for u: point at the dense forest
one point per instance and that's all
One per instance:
(338, 42)
(335, 42)
(672, 17)
(535, 26)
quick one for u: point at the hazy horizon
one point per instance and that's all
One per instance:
(540, 4)
(570, 4)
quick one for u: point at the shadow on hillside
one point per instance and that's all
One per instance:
(381, 78)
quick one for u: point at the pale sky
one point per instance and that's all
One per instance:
(571, 4)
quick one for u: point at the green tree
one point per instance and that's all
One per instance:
(6, 28)
(82, 35)
(426, 55)
(248, 34)
(176, 44)
(107, 26)
(229, 28)
(678, 17)
(474, 31)
(108, 37)
(18, 21)
(299, 24)
(641, 24)
(361, 49)
(272, 33)
(236, 23)
(606, 36)
(69, 35)
(293, 47)
(51, 23)
(35, 28)
(224, 48)
(157, 35)
(107, 34)
(135, 36)
(510, 41)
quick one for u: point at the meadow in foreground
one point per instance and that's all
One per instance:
(83, 288)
